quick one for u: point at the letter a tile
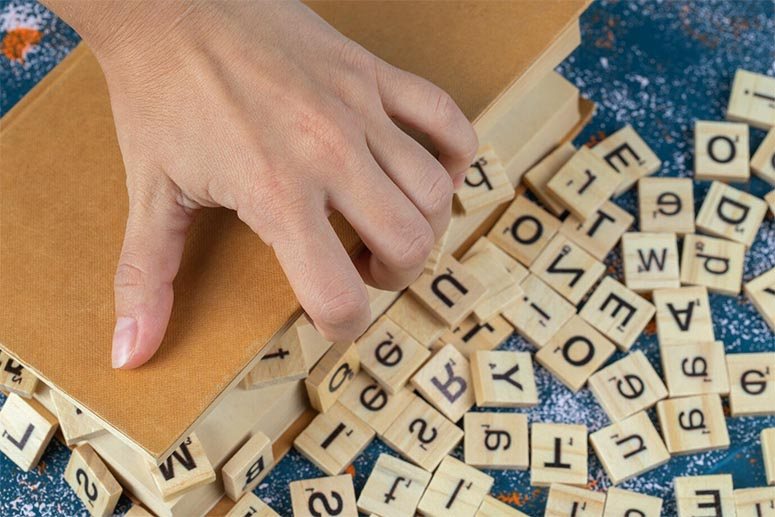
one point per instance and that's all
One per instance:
(683, 316)
(445, 382)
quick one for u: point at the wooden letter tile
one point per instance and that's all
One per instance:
(472, 335)
(432, 262)
(567, 268)
(250, 505)
(184, 470)
(705, 495)
(650, 261)
(558, 454)
(491, 507)
(715, 263)
(721, 151)
(751, 383)
(584, 184)
(617, 312)
(523, 230)
(394, 488)
(26, 428)
(16, 378)
(751, 99)
(371, 403)
(683, 316)
(456, 489)
(390, 355)
(139, 511)
(451, 293)
(537, 177)
(76, 425)
(422, 435)
(324, 497)
(575, 352)
(763, 160)
(627, 153)
(731, 214)
(283, 361)
(566, 501)
(333, 439)
(92, 482)
(768, 454)
(629, 448)
(666, 205)
(330, 377)
(755, 502)
(415, 319)
(540, 313)
(695, 369)
(502, 287)
(503, 379)
(445, 382)
(625, 503)
(485, 245)
(251, 463)
(496, 441)
(627, 386)
(693, 424)
(600, 232)
(486, 183)
(761, 292)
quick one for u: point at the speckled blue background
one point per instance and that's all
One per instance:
(656, 65)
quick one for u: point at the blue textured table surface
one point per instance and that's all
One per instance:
(658, 66)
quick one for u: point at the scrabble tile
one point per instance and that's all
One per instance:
(330, 377)
(599, 233)
(752, 99)
(432, 262)
(333, 439)
(16, 378)
(394, 488)
(485, 245)
(768, 454)
(92, 482)
(751, 383)
(683, 316)
(76, 425)
(770, 199)
(731, 214)
(324, 497)
(705, 495)
(540, 313)
(627, 153)
(721, 151)
(693, 424)
(139, 511)
(523, 230)
(445, 382)
(695, 369)
(491, 507)
(761, 292)
(763, 160)
(625, 503)
(629, 448)
(503, 379)
(422, 435)
(755, 502)
(26, 428)
(502, 287)
(584, 184)
(650, 261)
(451, 293)
(567, 268)
(184, 470)
(283, 362)
(715, 263)
(558, 454)
(367, 400)
(389, 354)
(627, 386)
(619, 313)
(455, 489)
(496, 441)
(575, 352)
(249, 465)
(250, 505)
(486, 183)
(414, 318)
(566, 501)
(540, 174)
(666, 205)
(472, 335)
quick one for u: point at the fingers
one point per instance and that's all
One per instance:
(150, 257)
(423, 106)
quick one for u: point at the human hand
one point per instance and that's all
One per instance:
(263, 108)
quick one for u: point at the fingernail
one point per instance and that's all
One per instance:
(123, 341)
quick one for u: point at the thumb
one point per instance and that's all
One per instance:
(150, 258)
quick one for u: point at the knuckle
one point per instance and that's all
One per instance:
(414, 248)
(439, 197)
(445, 109)
(128, 275)
(343, 309)
(324, 137)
